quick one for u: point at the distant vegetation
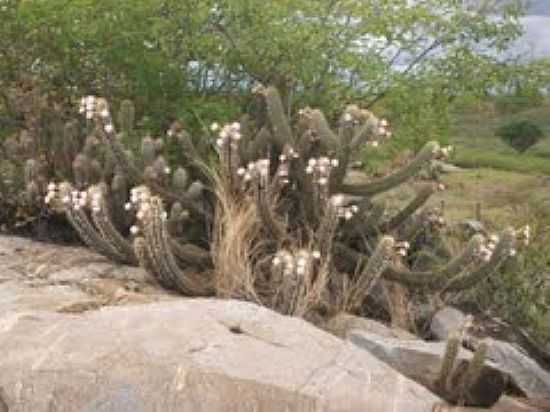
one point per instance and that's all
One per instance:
(520, 135)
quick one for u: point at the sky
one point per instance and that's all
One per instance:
(536, 40)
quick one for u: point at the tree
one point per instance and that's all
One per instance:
(166, 54)
(520, 135)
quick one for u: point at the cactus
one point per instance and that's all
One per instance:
(317, 244)
(452, 349)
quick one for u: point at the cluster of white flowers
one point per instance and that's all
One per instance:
(383, 130)
(228, 134)
(140, 201)
(435, 218)
(258, 169)
(91, 106)
(402, 248)
(96, 196)
(320, 169)
(52, 193)
(74, 199)
(443, 153)
(524, 235)
(342, 211)
(298, 263)
(87, 106)
(486, 250)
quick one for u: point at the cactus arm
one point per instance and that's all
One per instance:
(380, 185)
(126, 117)
(265, 212)
(404, 214)
(501, 253)
(344, 155)
(79, 220)
(158, 241)
(278, 120)
(475, 367)
(437, 278)
(190, 254)
(373, 270)
(105, 226)
(122, 159)
(146, 261)
(320, 127)
(449, 358)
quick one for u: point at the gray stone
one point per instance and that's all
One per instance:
(446, 321)
(526, 374)
(196, 355)
(343, 324)
(78, 333)
(421, 361)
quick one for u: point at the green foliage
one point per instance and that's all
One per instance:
(520, 135)
(164, 55)
(521, 294)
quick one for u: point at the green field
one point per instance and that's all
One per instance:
(473, 135)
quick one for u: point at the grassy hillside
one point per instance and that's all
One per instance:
(473, 135)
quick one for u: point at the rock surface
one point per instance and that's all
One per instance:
(527, 375)
(343, 324)
(445, 322)
(78, 333)
(421, 361)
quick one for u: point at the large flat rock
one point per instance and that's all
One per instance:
(196, 355)
(78, 333)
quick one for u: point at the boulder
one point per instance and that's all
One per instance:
(508, 404)
(421, 361)
(193, 354)
(343, 324)
(42, 276)
(79, 333)
(526, 374)
(446, 321)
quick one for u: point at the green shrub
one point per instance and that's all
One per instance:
(520, 135)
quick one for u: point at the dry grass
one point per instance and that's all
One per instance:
(237, 246)
(243, 252)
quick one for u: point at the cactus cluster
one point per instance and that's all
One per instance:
(277, 220)
(453, 383)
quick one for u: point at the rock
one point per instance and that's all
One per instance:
(526, 374)
(342, 324)
(507, 404)
(41, 276)
(191, 354)
(445, 322)
(472, 226)
(81, 334)
(421, 361)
